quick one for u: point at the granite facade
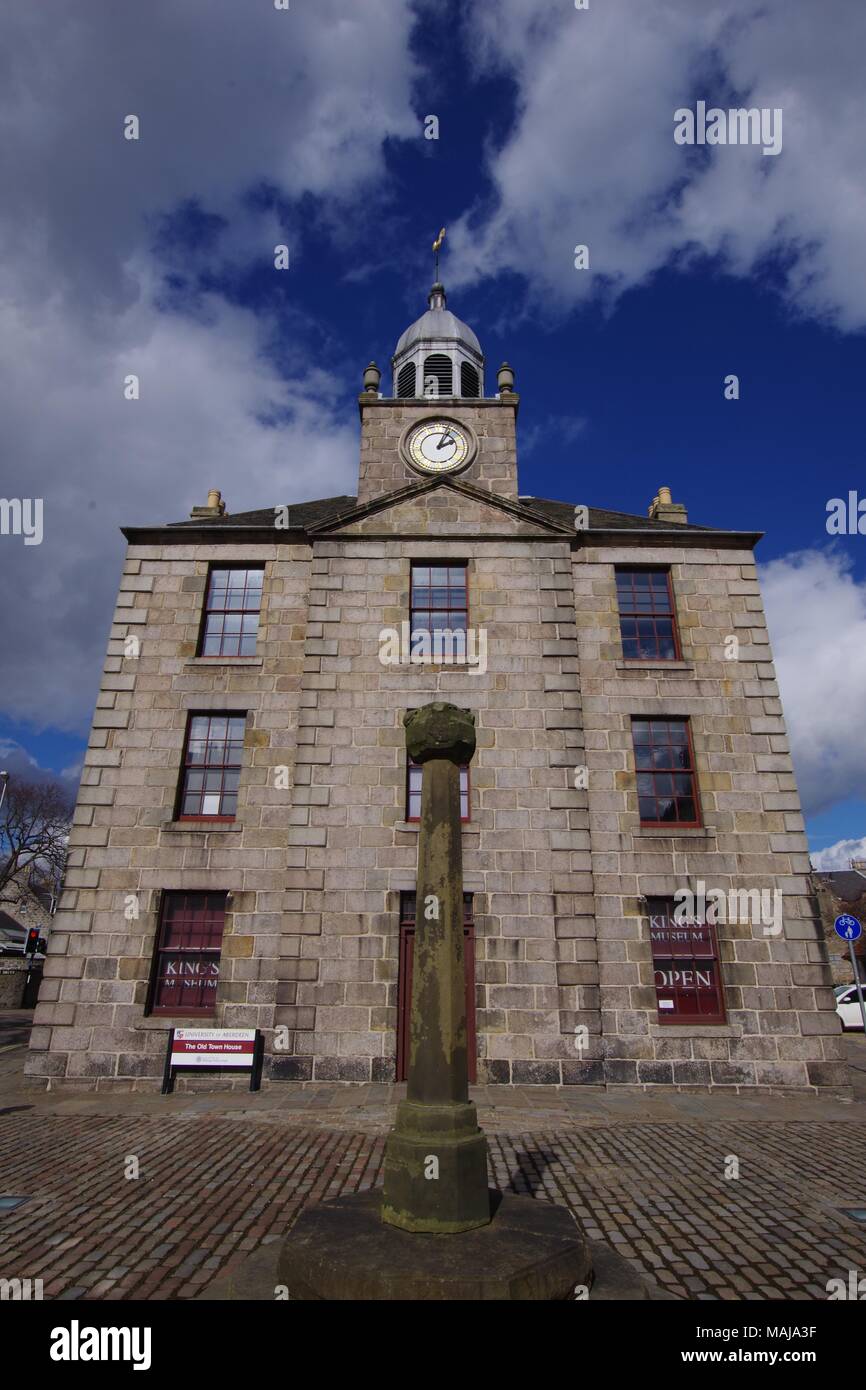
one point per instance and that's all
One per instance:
(320, 851)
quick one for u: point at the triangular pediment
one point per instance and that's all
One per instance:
(442, 507)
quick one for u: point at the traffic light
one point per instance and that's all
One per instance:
(32, 943)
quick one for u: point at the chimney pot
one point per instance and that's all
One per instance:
(215, 505)
(663, 508)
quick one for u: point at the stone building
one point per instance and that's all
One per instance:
(837, 892)
(245, 839)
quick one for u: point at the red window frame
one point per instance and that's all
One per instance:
(687, 967)
(212, 763)
(645, 612)
(186, 957)
(414, 772)
(430, 600)
(404, 983)
(231, 612)
(660, 777)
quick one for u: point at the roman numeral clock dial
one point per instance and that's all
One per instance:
(438, 446)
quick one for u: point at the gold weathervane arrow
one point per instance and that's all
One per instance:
(436, 248)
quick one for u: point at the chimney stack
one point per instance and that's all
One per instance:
(662, 508)
(215, 506)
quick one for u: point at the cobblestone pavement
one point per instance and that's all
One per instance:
(221, 1174)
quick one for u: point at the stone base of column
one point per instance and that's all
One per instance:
(529, 1250)
(436, 1169)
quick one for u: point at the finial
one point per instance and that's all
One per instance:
(437, 246)
(505, 379)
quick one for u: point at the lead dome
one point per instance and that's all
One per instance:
(438, 355)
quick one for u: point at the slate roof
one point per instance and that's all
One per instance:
(301, 516)
(601, 518)
(305, 515)
(847, 884)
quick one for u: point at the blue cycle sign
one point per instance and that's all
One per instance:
(847, 927)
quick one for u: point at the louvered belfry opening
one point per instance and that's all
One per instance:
(469, 381)
(438, 365)
(406, 380)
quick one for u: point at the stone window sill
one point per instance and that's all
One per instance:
(163, 1022)
(661, 832)
(698, 1030)
(201, 827)
(211, 661)
(415, 825)
(682, 668)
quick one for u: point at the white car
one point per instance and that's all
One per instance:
(848, 1006)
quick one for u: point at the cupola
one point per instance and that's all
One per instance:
(438, 355)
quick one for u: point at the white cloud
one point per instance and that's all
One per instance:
(552, 429)
(227, 97)
(230, 99)
(100, 461)
(839, 856)
(592, 160)
(22, 766)
(816, 614)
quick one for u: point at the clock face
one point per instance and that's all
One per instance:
(438, 446)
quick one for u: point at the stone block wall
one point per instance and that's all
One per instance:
(383, 423)
(126, 847)
(782, 1029)
(315, 866)
(526, 848)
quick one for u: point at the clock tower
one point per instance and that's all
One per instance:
(437, 422)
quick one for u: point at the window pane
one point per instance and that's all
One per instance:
(188, 952)
(645, 593)
(231, 592)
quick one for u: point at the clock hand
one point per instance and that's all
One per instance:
(447, 440)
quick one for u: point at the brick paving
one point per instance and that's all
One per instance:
(213, 1188)
(221, 1174)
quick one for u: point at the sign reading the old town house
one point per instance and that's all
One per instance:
(212, 1048)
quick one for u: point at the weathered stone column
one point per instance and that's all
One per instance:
(436, 1156)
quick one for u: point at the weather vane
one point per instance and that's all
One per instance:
(437, 245)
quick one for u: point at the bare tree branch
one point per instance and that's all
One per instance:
(34, 827)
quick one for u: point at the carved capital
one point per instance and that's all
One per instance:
(440, 731)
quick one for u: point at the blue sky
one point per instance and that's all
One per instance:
(307, 127)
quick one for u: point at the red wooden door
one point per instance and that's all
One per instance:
(404, 983)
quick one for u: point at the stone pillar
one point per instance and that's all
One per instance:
(436, 1156)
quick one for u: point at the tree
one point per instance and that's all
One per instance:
(34, 829)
